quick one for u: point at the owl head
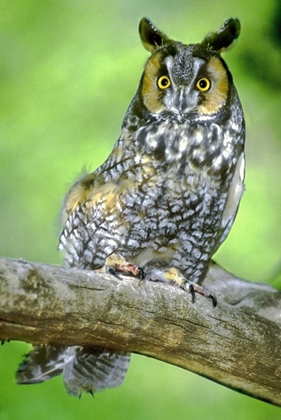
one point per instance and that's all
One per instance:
(186, 80)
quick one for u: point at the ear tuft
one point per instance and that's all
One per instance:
(151, 37)
(224, 37)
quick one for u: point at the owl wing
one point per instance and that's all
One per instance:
(95, 225)
(235, 193)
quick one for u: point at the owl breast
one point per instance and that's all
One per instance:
(161, 198)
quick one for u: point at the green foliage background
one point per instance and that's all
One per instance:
(68, 71)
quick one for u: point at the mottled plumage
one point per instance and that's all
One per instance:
(166, 197)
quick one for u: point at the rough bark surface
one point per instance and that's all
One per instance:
(236, 344)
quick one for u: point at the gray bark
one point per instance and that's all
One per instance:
(236, 344)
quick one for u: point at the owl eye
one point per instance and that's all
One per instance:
(163, 82)
(203, 84)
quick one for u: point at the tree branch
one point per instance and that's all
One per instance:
(236, 344)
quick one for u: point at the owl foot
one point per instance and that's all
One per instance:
(116, 264)
(173, 276)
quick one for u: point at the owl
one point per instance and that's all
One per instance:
(165, 199)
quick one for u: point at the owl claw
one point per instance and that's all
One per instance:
(188, 287)
(113, 272)
(205, 292)
(174, 276)
(116, 265)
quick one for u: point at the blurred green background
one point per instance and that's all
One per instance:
(68, 71)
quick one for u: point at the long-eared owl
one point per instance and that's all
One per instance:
(166, 197)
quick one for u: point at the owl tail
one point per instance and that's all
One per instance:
(84, 369)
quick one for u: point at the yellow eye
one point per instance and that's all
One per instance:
(163, 82)
(203, 84)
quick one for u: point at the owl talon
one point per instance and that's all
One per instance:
(112, 271)
(173, 276)
(116, 264)
(188, 287)
(205, 292)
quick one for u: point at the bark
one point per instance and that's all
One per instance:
(236, 344)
